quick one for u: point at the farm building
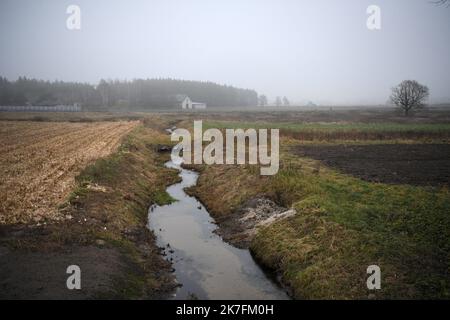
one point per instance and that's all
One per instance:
(185, 102)
(198, 105)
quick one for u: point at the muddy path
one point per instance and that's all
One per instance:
(205, 266)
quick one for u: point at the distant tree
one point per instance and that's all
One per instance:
(278, 101)
(409, 94)
(19, 99)
(441, 2)
(104, 89)
(285, 101)
(262, 100)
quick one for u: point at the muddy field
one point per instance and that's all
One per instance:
(322, 114)
(39, 160)
(416, 164)
(433, 114)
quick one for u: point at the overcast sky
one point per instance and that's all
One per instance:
(306, 50)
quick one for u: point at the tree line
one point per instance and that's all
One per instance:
(263, 101)
(139, 94)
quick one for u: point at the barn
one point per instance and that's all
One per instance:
(185, 102)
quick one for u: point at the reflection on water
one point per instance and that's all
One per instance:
(206, 266)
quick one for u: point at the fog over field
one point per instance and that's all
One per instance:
(320, 51)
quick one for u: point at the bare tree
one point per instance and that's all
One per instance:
(262, 100)
(285, 101)
(441, 2)
(409, 94)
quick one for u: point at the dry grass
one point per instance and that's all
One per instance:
(39, 161)
(223, 188)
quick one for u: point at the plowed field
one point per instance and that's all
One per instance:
(39, 161)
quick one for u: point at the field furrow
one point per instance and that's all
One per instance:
(39, 167)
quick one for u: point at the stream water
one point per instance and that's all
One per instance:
(205, 265)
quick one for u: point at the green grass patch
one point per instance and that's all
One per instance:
(162, 198)
(103, 170)
(81, 190)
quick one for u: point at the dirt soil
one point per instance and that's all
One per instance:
(415, 164)
(31, 276)
(34, 260)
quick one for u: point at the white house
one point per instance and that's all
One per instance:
(186, 103)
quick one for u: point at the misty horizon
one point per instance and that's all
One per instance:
(305, 51)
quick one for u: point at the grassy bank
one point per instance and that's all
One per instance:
(342, 226)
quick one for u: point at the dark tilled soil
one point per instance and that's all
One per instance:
(33, 265)
(42, 275)
(415, 164)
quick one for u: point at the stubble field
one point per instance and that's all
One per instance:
(39, 161)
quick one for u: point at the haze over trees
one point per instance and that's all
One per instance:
(263, 100)
(408, 95)
(278, 101)
(137, 94)
(441, 2)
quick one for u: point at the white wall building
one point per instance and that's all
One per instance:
(186, 103)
